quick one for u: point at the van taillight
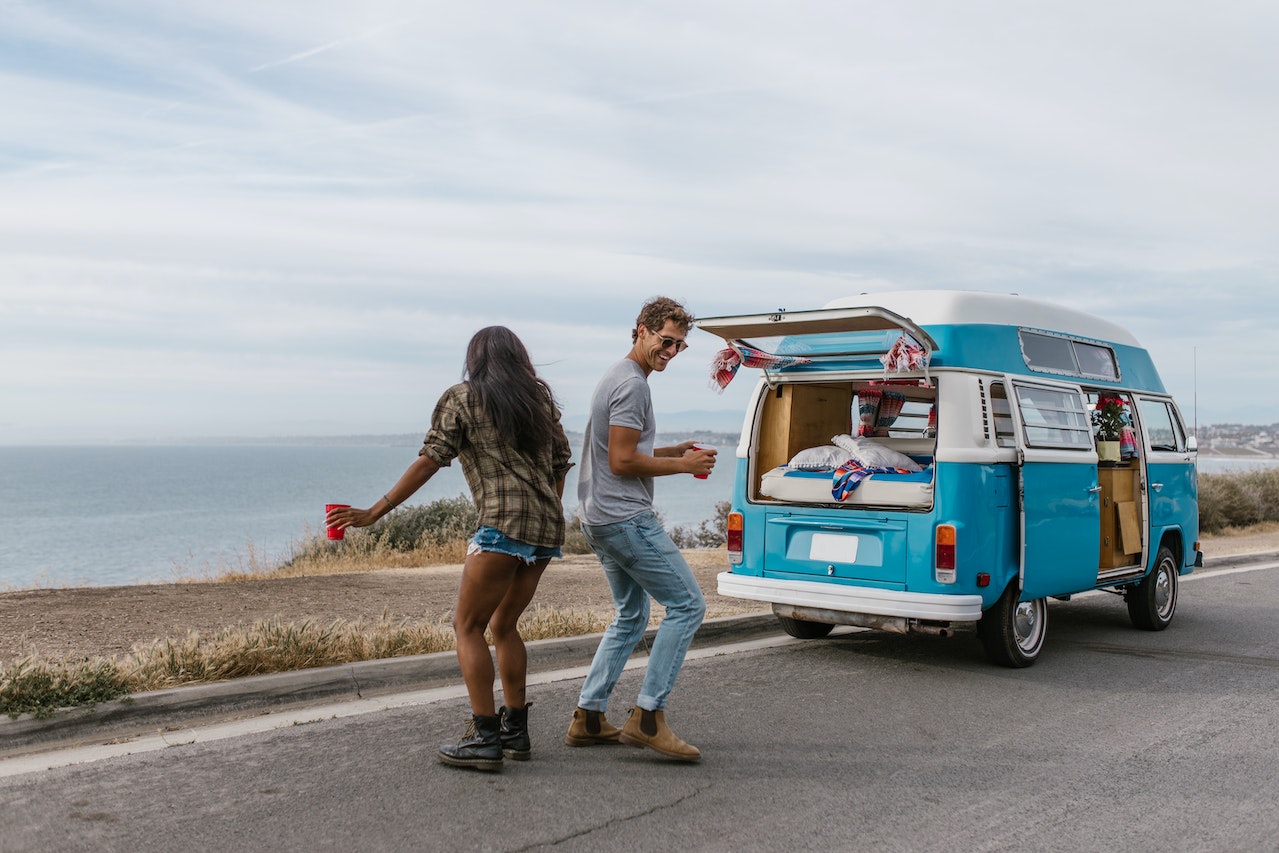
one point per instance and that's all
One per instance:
(944, 554)
(735, 526)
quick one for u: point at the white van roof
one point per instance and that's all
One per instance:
(963, 307)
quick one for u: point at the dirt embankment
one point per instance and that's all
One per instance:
(105, 621)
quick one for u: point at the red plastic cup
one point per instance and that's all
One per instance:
(703, 447)
(335, 532)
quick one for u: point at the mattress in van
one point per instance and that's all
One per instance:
(814, 487)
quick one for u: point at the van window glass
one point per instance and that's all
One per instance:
(913, 420)
(825, 344)
(1056, 354)
(894, 410)
(1163, 431)
(1053, 417)
(1001, 415)
(1048, 352)
(1096, 361)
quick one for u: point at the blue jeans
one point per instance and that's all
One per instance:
(640, 560)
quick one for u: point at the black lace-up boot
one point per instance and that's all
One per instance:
(515, 740)
(481, 745)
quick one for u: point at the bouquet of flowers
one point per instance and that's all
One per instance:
(1109, 417)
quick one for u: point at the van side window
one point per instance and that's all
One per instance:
(1002, 417)
(1058, 354)
(1096, 361)
(1161, 426)
(1053, 417)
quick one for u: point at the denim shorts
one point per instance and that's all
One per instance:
(493, 540)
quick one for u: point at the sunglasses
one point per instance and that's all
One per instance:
(667, 343)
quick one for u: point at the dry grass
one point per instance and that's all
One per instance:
(37, 686)
(1227, 533)
(338, 561)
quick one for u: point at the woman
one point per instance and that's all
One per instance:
(502, 422)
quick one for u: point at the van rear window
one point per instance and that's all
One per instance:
(1048, 353)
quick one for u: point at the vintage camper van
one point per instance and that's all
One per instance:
(939, 461)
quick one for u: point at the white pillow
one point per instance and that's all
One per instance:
(873, 455)
(818, 458)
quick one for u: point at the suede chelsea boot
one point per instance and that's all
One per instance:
(480, 747)
(648, 728)
(589, 728)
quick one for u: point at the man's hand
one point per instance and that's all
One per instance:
(700, 461)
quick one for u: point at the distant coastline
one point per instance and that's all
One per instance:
(720, 439)
(1242, 454)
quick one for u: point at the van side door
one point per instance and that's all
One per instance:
(1059, 491)
(1172, 482)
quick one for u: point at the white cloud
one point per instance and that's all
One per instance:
(320, 197)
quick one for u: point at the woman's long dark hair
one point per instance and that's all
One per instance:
(507, 387)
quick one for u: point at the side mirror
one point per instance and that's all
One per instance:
(1192, 444)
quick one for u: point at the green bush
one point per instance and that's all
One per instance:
(574, 539)
(1238, 499)
(711, 533)
(408, 528)
(435, 523)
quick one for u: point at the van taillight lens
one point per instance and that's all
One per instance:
(944, 553)
(735, 526)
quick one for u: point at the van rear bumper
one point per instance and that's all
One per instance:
(852, 599)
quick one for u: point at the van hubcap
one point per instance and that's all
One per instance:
(1026, 624)
(1163, 592)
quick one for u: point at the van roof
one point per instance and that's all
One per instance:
(963, 307)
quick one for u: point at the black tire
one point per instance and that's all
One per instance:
(802, 629)
(1012, 631)
(1152, 602)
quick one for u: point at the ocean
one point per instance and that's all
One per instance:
(135, 514)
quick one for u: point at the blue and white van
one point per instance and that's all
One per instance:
(929, 462)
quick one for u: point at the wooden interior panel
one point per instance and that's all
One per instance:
(797, 416)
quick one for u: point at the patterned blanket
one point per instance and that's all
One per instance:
(849, 475)
(726, 362)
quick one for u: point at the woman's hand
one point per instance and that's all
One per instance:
(422, 469)
(351, 517)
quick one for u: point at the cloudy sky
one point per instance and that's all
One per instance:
(287, 218)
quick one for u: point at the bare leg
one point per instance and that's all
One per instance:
(512, 659)
(487, 579)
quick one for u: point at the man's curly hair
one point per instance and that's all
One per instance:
(657, 312)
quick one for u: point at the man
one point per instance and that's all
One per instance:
(615, 503)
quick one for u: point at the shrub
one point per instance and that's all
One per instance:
(574, 539)
(1224, 502)
(711, 533)
(412, 535)
(436, 523)
(1264, 488)
(1238, 499)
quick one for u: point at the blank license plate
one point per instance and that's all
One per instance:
(833, 548)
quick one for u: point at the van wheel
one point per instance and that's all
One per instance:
(1013, 631)
(802, 629)
(1152, 602)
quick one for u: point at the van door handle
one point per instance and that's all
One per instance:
(1095, 489)
(1156, 486)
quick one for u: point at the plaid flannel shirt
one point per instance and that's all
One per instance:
(513, 493)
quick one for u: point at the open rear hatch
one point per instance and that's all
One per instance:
(827, 333)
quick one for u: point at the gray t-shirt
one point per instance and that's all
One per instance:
(622, 399)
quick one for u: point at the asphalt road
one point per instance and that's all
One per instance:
(1115, 739)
